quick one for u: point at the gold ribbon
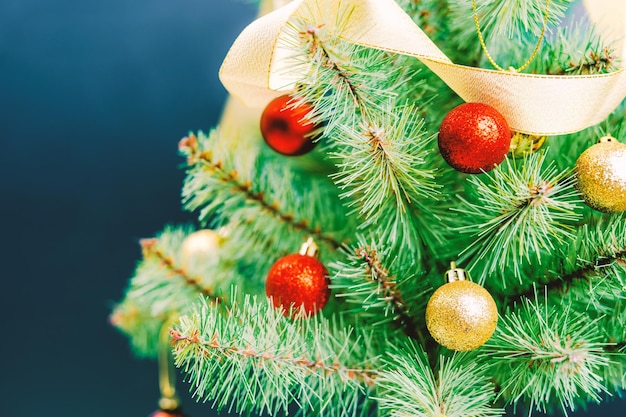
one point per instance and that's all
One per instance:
(256, 69)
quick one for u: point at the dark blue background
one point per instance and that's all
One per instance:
(94, 96)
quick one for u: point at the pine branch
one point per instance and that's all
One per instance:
(253, 359)
(541, 353)
(365, 282)
(521, 211)
(139, 325)
(150, 248)
(564, 282)
(379, 147)
(408, 386)
(397, 146)
(246, 189)
(519, 21)
(268, 207)
(592, 266)
(575, 50)
(343, 80)
(383, 174)
(159, 290)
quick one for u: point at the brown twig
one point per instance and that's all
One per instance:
(259, 198)
(149, 248)
(565, 281)
(346, 373)
(391, 294)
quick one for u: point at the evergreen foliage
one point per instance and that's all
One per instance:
(389, 216)
(251, 358)
(459, 387)
(546, 353)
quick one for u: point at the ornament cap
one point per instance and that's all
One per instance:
(607, 138)
(456, 274)
(523, 144)
(309, 248)
(169, 403)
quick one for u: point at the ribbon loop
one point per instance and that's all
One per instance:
(541, 105)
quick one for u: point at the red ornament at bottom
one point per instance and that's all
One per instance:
(298, 281)
(163, 413)
(285, 127)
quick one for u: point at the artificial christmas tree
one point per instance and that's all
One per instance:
(390, 215)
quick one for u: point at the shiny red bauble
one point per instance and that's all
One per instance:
(163, 413)
(298, 281)
(285, 128)
(474, 138)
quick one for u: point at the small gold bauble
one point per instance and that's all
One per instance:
(201, 244)
(523, 144)
(461, 315)
(601, 171)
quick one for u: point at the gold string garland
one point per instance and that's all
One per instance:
(532, 56)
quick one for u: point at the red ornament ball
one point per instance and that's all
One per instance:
(298, 280)
(163, 413)
(285, 128)
(474, 138)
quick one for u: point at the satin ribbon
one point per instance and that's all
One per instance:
(256, 69)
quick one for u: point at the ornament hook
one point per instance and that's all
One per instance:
(455, 274)
(309, 248)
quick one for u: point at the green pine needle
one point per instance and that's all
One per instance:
(513, 19)
(597, 258)
(379, 146)
(574, 50)
(365, 279)
(409, 388)
(522, 209)
(251, 359)
(385, 158)
(270, 208)
(544, 354)
(343, 80)
(162, 288)
(141, 327)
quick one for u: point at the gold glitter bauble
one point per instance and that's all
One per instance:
(601, 171)
(201, 244)
(523, 144)
(461, 315)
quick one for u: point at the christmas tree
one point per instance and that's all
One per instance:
(410, 207)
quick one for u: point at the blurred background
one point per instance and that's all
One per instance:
(94, 96)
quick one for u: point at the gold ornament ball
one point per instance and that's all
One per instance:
(461, 315)
(200, 244)
(523, 144)
(601, 171)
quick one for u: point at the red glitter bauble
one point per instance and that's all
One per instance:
(285, 128)
(474, 138)
(162, 413)
(298, 280)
